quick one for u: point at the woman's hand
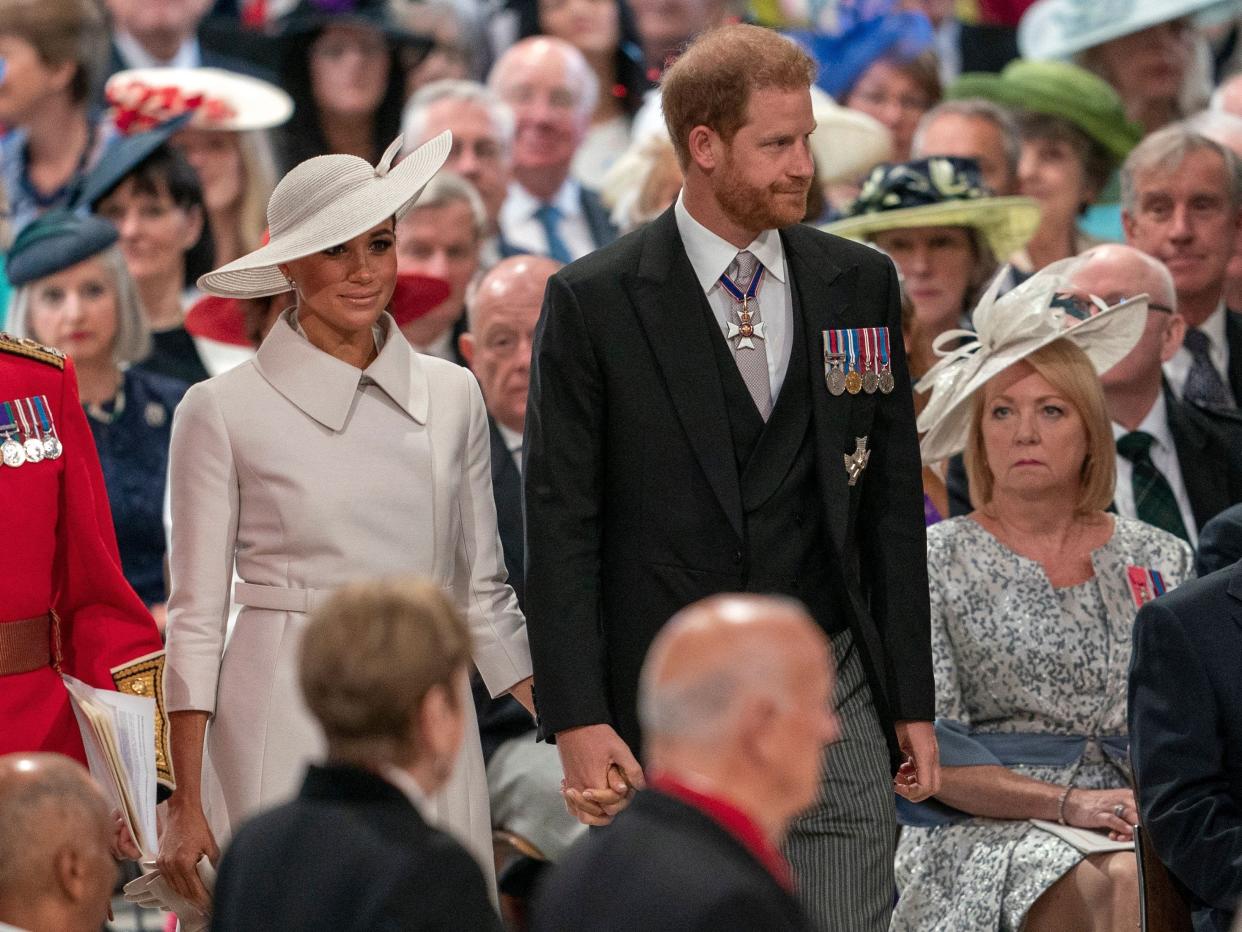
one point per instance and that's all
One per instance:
(124, 848)
(1112, 811)
(187, 837)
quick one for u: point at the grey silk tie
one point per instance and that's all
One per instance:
(750, 354)
(1204, 386)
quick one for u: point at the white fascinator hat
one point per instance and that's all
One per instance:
(1008, 329)
(323, 202)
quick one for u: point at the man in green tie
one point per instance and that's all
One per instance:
(1178, 465)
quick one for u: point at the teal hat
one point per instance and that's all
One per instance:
(1058, 89)
(54, 242)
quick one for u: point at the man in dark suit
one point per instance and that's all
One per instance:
(670, 455)
(1169, 451)
(736, 708)
(1186, 738)
(1182, 203)
(380, 668)
(552, 91)
(523, 775)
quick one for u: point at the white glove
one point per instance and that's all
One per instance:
(152, 891)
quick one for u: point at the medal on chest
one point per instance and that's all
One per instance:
(834, 361)
(745, 330)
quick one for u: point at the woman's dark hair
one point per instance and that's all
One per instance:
(302, 137)
(1097, 162)
(166, 170)
(632, 80)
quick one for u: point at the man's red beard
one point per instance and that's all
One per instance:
(758, 208)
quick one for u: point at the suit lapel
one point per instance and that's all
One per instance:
(822, 292)
(1204, 476)
(1235, 590)
(673, 310)
(1233, 337)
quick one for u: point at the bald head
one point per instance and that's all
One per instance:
(1113, 272)
(56, 867)
(502, 312)
(737, 689)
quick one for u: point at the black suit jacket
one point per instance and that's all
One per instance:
(663, 866)
(633, 500)
(1233, 336)
(1209, 452)
(598, 219)
(350, 853)
(1186, 737)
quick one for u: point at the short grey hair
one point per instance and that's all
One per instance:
(578, 71)
(449, 188)
(1165, 150)
(979, 109)
(459, 91)
(133, 333)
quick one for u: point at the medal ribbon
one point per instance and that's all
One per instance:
(10, 422)
(883, 334)
(44, 420)
(27, 433)
(833, 344)
(866, 349)
(851, 341)
(736, 293)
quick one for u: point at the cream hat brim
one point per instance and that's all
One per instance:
(255, 104)
(846, 143)
(1106, 339)
(324, 202)
(1006, 223)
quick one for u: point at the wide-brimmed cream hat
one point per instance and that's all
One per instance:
(1010, 328)
(141, 98)
(323, 202)
(846, 143)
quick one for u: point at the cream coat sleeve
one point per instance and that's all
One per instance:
(203, 493)
(501, 651)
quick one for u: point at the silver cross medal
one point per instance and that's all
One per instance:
(856, 462)
(743, 331)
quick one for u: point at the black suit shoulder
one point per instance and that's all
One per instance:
(670, 868)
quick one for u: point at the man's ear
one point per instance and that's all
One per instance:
(704, 145)
(465, 343)
(1174, 333)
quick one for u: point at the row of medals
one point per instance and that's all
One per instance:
(37, 447)
(840, 381)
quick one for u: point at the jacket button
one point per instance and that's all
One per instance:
(737, 556)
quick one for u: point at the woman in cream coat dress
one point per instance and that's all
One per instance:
(305, 469)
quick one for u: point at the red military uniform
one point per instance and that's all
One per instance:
(60, 555)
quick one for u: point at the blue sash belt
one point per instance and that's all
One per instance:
(960, 747)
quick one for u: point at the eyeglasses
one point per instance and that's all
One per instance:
(1084, 306)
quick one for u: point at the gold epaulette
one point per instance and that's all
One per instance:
(24, 346)
(145, 677)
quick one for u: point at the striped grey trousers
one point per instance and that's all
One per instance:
(841, 849)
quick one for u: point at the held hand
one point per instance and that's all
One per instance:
(918, 778)
(186, 838)
(601, 774)
(1098, 809)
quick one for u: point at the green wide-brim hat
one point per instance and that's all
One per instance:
(1005, 223)
(1058, 89)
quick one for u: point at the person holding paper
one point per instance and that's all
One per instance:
(67, 607)
(336, 454)
(1033, 596)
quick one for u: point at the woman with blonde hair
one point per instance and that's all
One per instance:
(1033, 596)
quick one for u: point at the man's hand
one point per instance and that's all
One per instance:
(919, 775)
(601, 774)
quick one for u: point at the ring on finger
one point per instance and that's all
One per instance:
(1119, 811)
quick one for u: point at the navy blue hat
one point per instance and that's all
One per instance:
(313, 15)
(54, 242)
(122, 156)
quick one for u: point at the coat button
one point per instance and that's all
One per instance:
(737, 556)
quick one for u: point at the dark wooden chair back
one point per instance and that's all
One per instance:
(1162, 908)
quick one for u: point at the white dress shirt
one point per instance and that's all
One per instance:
(1164, 457)
(710, 256)
(1178, 368)
(523, 231)
(189, 55)
(513, 443)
